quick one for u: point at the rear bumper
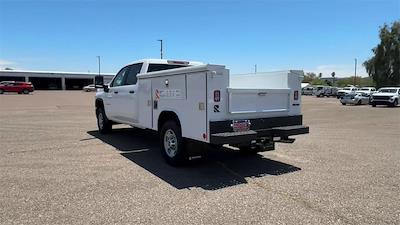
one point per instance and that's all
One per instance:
(221, 132)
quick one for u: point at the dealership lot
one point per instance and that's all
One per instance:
(56, 169)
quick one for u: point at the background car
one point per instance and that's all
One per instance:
(355, 99)
(89, 88)
(367, 90)
(16, 86)
(386, 96)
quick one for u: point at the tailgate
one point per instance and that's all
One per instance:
(258, 100)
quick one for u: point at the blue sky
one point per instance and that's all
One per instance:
(318, 36)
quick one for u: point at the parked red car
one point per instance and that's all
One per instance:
(16, 86)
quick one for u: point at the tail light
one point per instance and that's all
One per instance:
(217, 95)
(296, 95)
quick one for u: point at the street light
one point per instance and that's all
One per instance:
(161, 48)
(98, 57)
(355, 71)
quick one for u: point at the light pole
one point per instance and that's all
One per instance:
(98, 58)
(255, 68)
(355, 71)
(161, 48)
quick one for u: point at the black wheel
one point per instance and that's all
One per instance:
(103, 123)
(359, 102)
(1, 91)
(172, 144)
(373, 105)
(343, 103)
(25, 91)
(395, 103)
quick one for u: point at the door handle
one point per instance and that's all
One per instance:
(132, 91)
(115, 92)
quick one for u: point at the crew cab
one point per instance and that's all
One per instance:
(386, 96)
(16, 86)
(202, 104)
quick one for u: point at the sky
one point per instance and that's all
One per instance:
(315, 36)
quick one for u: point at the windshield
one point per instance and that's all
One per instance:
(319, 88)
(387, 90)
(364, 89)
(347, 89)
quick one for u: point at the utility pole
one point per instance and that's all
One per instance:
(161, 48)
(98, 57)
(355, 71)
(255, 68)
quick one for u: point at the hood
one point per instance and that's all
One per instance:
(384, 94)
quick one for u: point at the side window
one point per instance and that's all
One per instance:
(133, 71)
(119, 78)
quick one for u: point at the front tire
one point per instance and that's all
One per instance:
(343, 103)
(395, 103)
(103, 123)
(25, 91)
(172, 144)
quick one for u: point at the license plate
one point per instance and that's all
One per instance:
(240, 125)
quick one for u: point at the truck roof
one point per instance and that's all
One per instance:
(167, 61)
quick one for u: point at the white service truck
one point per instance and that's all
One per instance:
(190, 102)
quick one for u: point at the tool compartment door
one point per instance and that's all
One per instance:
(185, 95)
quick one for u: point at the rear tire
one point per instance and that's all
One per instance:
(172, 144)
(25, 91)
(103, 123)
(1, 91)
(359, 102)
(373, 105)
(343, 103)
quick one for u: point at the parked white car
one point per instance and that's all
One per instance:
(189, 102)
(355, 99)
(89, 88)
(386, 96)
(307, 90)
(345, 91)
(367, 90)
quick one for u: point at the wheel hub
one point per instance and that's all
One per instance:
(170, 143)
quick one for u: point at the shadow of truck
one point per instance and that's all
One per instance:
(220, 168)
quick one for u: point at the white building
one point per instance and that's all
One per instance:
(53, 80)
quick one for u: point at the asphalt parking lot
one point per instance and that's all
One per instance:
(56, 169)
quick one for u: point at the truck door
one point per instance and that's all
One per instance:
(128, 96)
(113, 99)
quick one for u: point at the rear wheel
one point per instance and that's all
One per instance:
(25, 91)
(104, 125)
(343, 103)
(395, 103)
(1, 91)
(172, 143)
(373, 105)
(359, 102)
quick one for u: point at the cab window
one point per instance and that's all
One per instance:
(119, 78)
(133, 71)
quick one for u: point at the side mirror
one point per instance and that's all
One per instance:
(99, 83)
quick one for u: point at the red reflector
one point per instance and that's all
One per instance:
(296, 95)
(217, 96)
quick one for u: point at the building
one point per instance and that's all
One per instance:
(46, 80)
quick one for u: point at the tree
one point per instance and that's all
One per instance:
(384, 66)
(320, 75)
(8, 68)
(309, 77)
(333, 74)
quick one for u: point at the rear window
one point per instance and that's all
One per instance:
(159, 67)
